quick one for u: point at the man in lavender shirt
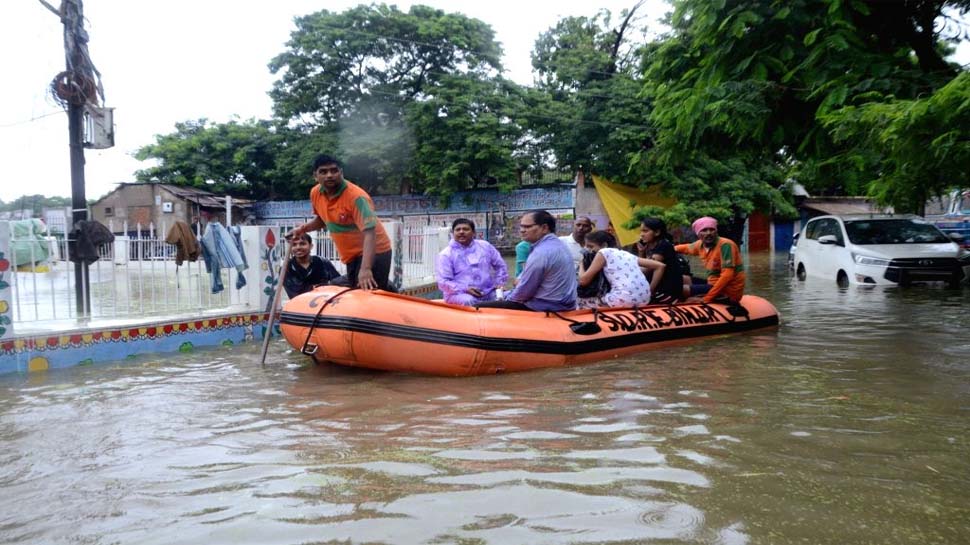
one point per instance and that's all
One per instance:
(548, 280)
(469, 270)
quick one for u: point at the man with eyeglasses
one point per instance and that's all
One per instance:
(548, 281)
(347, 211)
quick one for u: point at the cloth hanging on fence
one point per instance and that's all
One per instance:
(220, 251)
(85, 240)
(236, 232)
(28, 242)
(211, 265)
(186, 245)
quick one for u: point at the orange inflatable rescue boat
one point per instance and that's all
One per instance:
(388, 331)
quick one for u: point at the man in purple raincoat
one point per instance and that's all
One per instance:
(469, 270)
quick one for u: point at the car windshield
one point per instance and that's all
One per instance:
(895, 231)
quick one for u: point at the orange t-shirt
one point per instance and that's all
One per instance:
(347, 214)
(725, 270)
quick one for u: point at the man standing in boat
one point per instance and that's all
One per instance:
(548, 281)
(347, 211)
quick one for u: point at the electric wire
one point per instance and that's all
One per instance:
(31, 120)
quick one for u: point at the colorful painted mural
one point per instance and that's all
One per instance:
(463, 202)
(77, 347)
(267, 255)
(6, 312)
(85, 346)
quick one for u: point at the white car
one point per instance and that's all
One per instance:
(878, 249)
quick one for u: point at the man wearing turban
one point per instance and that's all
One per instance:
(722, 260)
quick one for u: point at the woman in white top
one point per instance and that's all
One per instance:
(628, 286)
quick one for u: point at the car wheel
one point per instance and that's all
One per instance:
(842, 280)
(800, 273)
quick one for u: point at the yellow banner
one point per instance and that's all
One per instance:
(620, 201)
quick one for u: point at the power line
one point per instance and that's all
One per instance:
(31, 120)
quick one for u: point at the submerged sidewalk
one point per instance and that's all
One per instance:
(66, 343)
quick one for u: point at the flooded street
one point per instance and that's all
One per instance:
(850, 423)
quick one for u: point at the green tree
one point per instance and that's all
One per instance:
(294, 159)
(922, 145)
(235, 158)
(465, 135)
(380, 81)
(337, 64)
(35, 203)
(729, 188)
(754, 80)
(586, 107)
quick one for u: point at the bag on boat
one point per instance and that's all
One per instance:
(599, 287)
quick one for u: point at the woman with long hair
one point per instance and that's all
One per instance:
(628, 285)
(657, 244)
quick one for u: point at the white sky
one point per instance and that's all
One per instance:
(166, 61)
(162, 62)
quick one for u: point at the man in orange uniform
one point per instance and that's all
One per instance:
(722, 260)
(347, 212)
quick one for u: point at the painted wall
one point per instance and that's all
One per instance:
(6, 294)
(85, 346)
(782, 233)
(463, 202)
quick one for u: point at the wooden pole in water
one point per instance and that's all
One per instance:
(276, 301)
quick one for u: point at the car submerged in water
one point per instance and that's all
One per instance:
(878, 249)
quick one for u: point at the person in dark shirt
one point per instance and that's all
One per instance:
(655, 244)
(306, 271)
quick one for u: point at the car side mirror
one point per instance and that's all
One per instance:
(828, 239)
(956, 237)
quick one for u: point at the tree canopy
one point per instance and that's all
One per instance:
(34, 203)
(238, 158)
(587, 108)
(764, 81)
(921, 146)
(733, 103)
(374, 60)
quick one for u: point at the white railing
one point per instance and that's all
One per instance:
(136, 276)
(420, 245)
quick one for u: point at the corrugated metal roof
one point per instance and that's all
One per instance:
(839, 206)
(201, 197)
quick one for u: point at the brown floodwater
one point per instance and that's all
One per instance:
(847, 424)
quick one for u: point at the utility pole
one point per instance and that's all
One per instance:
(75, 118)
(77, 88)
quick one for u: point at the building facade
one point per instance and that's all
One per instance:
(134, 204)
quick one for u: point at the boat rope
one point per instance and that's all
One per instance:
(735, 309)
(313, 325)
(580, 328)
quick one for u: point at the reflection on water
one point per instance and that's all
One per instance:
(848, 424)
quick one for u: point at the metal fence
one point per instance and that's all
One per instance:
(137, 276)
(420, 248)
(420, 245)
(134, 276)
